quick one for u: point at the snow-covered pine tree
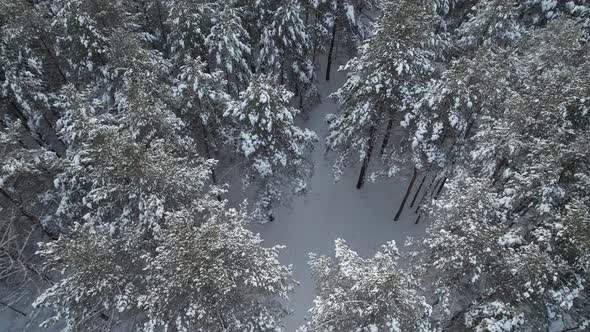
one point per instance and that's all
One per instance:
(446, 111)
(28, 72)
(346, 27)
(26, 206)
(284, 51)
(201, 99)
(136, 156)
(213, 274)
(82, 29)
(151, 27)
(206, 272)
(444, 117)
(26, 178)
(120, 165)
(380, 81)
(229, 49)
(365, 294)
(316, 19)
(138, 197)
(499, 247)
(283, 41)
(190, 23)
(256, 16)
(474, 23)
(273, 147)
(102, 277)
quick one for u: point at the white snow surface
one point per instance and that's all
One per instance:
(331, 210)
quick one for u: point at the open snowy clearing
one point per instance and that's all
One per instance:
(332, 210)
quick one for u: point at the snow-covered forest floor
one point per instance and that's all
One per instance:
(331, 210)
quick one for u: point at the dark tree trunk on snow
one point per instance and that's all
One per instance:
(401, 207)
(418, 191)
(387, 134)
(282, 73)
(208, 154)
(227, 80)
(434, 189)
(331, 51)
(426, 193)
(442, 185)
(20, 312)
(367, 158)
(301, 100)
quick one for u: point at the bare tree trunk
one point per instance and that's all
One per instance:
(55, 60)
(442, 185)
(227, 80)
(331, 51)
(408, 191)
(426, 192)
(163, 28)
(367, 158)
(208, 154)
(300, 97)
(282, 73)
(435, 186)
(315, 39)
(387, 135)
(418, 219)
(418, 191)
(22, 313)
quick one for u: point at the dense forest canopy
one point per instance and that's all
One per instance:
(119, 120)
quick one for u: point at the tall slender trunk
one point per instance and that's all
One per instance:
(435, 186)
(331, 51)
(418, 191)
(20, 312)
(163, 28)
(55, 60)
(282, 72)
(208, 154)
(367, 158)
(442, 185)
(387, 134)
(469, 127)
(426, 192)
(227, 80)
(418, 218)
(315, 39)
(300, 93)
(408, 191)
